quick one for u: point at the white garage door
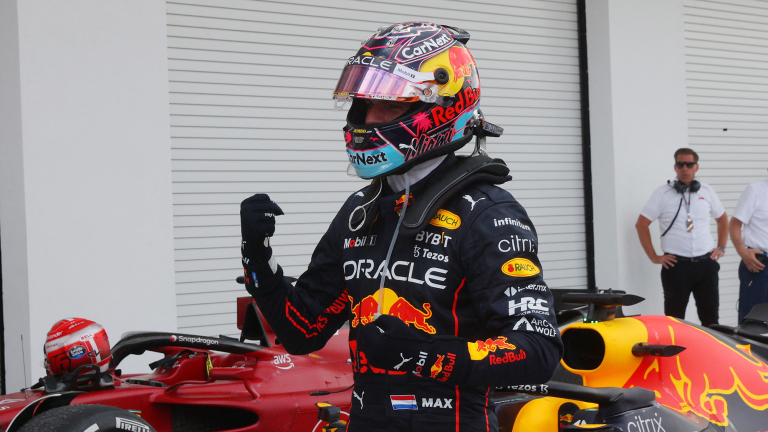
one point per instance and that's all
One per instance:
(251, 111)
(727, 80)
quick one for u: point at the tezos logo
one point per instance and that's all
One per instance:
(520, 267)
(76, 352)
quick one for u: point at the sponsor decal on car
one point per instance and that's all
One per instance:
(520, 267)
(130, 425)
(196, 339)
(444, 218)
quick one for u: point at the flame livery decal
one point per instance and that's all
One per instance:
(701, 378)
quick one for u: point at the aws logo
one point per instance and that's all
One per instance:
(446, 219)
(520, 267)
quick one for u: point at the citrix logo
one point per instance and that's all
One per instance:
(517, 244)
(646, 425)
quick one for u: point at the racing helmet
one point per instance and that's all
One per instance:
(75, 342)
(419, 62)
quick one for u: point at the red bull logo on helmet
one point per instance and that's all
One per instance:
(394, 305)
(461, 61)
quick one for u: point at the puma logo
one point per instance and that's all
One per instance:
(360, 398)
(402, 362)
(471, 201)
(406, 146)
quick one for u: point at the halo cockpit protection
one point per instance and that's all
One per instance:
(422, 63)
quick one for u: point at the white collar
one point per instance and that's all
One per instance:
(397, 182)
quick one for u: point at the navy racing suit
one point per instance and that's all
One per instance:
(472, 273)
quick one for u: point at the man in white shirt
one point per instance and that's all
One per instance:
(689, 259)
(752, 213)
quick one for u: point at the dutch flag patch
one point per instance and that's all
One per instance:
(401, 402)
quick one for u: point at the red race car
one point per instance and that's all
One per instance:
(202, 384)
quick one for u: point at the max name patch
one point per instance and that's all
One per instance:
(520, 267)
(445, 219)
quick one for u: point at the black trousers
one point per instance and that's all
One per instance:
(686, 277)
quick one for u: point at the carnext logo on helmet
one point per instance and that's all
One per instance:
(370, 163)
(427, 46)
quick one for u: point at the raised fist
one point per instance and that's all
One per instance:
(257, 225)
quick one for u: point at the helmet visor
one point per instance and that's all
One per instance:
(374, 83)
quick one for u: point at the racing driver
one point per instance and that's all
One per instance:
(433, 265)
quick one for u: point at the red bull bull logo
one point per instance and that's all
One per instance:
(566, 418)
(460, 60)
(400, 201)
(437, 367)
(479, 350)
(363, 312)
(698, 379)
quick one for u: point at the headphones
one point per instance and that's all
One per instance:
(681, 187)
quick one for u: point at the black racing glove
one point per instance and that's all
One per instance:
(388, 343)
(257, 225)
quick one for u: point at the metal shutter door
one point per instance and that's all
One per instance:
(251, 111)
(727, 81)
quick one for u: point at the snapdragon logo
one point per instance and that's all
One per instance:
(196, 339)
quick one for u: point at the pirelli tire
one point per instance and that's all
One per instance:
(86, 418)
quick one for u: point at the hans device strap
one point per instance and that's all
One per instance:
(467, 170)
